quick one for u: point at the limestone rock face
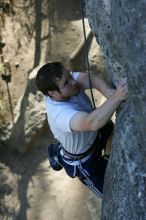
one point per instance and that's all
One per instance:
(119, 27)
(29, 118)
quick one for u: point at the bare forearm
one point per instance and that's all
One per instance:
(103, 86)
(100, 116)
(83, 121)
(98, 82)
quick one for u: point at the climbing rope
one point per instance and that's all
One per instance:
(86, 51)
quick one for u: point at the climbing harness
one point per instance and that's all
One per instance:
(54, 156)
(56, 151)
(86, 51)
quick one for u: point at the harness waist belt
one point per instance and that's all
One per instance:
(86, 153)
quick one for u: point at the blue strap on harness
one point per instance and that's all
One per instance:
(54, 156)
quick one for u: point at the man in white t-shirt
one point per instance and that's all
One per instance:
(74, 122)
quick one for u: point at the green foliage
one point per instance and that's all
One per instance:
(2, 68)
(1, 97)
(1, 103)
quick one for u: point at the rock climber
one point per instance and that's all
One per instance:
(83, 132)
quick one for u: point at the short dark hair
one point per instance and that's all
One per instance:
(46, 77)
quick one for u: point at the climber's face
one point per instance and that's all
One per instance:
(68, 87)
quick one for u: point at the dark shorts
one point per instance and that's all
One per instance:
(91, 169)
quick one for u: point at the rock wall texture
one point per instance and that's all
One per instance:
(119, 28)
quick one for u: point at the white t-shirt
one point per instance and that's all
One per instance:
(59, 115)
